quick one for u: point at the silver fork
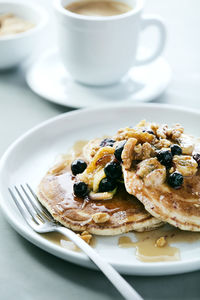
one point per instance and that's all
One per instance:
(40, 220)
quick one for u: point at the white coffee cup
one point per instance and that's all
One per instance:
(101, 50)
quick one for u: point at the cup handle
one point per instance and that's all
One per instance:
(150, 20)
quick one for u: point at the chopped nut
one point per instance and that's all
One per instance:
(164, 132)
(161, 242)
(86, 236)
(154, 127)
(85, 233)
(171, 170)
(177, 131)
(163, 143)
(127, 153)
(185, 165)
(100, 217)
(142, 124)
(142, 152)
(138, 151)
(146, 150)
(161, 132)
(126, 133)
(132, 152)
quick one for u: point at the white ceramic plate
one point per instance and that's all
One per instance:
(48, 78)
(30, 156)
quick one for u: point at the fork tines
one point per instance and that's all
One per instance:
(29, 205)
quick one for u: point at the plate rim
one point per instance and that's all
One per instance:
(143, 269)
(35, 62)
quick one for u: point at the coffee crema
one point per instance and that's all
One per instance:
(98, 8)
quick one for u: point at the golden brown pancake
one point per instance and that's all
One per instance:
(125, 211)
(179, 207)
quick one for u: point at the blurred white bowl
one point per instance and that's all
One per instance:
(17, 47)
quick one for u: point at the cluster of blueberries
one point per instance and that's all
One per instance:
(165, 157)
(113, 171)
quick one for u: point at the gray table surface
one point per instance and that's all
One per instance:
(27, 272)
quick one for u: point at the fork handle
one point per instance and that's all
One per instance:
(115, 278)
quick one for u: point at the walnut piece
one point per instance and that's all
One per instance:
(177, 131)
(142, 151)
(163, 143)
(126, 133)
(86, 236)
(161, 132)
(127, 153)
(154, 127)
(146, 150)
(161, 242)
(165, 132)
(142, 124)
(132, 152)
(100, 217)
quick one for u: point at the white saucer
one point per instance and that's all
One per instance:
(48, 78)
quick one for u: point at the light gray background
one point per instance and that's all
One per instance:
(26, 272)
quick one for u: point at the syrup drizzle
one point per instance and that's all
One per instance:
(146, 249)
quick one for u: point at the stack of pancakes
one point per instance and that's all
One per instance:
(135, 206)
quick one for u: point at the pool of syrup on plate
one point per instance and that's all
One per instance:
(145, 243)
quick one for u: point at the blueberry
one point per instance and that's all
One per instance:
(107, 142)
(196, 156)
(118, 150)
(107, 185)
(176, 149)
(175, 180)
(113, 170)
(78, 166)
(165, 158)
(80, 189)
